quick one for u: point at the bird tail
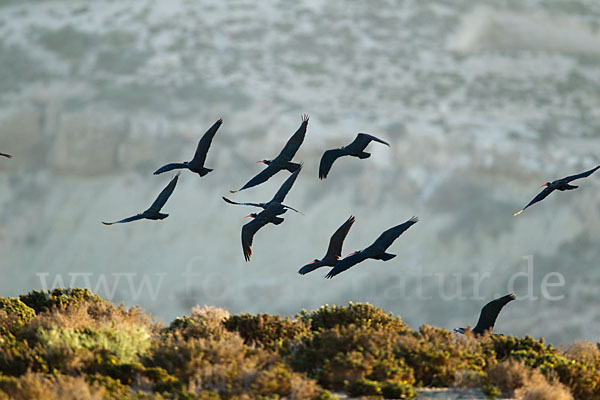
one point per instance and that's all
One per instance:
(387, 256)
(204, 171)
(518, 212)
(364, 155)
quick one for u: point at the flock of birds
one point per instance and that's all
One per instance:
(273, 209)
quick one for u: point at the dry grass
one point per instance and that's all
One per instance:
(512, 375)
(584, 351)
(546, 391)
(37, 386)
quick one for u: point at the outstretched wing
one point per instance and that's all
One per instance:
(541, 196)
(248, 232)
(170, 167)
(204, 144)
(285, 188)
(293, 144)
(164, 195)
(327, 161)
(582, 175)
(337, 240)
(386, 239)
(363, 139)
(262, 177)
(134, 218)
(243, 204)
(6, 155)
(490, 312)
(347, 263)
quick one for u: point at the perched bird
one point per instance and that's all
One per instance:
(154, 211)
(6, 155)
(488, 315)
(559, 184)
(334, 252)
(270, 215)
(279, 196)
(283, 160)
(197, 163)
(376, 251)
(354, 149)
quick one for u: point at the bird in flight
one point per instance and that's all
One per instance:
(282, 161)
(6, 155)
(154, 211)
(559, 184)
(334, 252)
(488, 315)
(270, 215)
(197, 163)
(354, 149)
(376, 251)
(279, 196)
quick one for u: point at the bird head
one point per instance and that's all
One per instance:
(266, 162)
(545, 184)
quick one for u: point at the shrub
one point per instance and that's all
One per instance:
(359, 314)
(59, 298)
(14, 314)
(265, 330)
(545, 391)
(363, 387)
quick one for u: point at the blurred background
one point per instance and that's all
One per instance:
(481, 105)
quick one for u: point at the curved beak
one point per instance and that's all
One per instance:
(248, 216)
(544, 185)
(260, 162)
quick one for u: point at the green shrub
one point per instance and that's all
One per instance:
(491, 391)
(60, 298)
(265, 330)
(14, 314)
(363, 387)
(359, 314)
(398, 390)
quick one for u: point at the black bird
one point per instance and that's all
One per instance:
(279, 196)
(6, 155)
(154, 211)
(197, 163)
(488, 315)
(559, 184)
(283, 160)
(376, 251)
(354, 149)
(334, 252)
(270, 215)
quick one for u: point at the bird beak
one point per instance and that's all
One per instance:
(544, 185)
(248, 216)
(259, 162)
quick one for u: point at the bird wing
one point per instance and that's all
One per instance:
(337, 239)
(541, 196)
(164, 195)
(310, 267)
(6, 155)
(327, 161)
(363, 139)
(582, 175)
(134, 218)
(170, 167)
(347, 263)
(285, 188)
(293, 144)
(261, 177)
(248, 232)
(490, 312)
(386, 239)
(204, 144)
(243, 204)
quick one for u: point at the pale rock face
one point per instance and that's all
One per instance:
(481, 106)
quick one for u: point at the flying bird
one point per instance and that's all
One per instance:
(334, 252)
(283, 160)
(354, 149)
(279, 196)
(488, 315)
(376, 251)
(270, 215)
(6, 155)
(559, 184)
(154, 211)
(197, 163)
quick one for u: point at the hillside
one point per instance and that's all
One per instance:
(71, 344)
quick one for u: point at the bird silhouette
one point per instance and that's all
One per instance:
(488, 315)
(197, 163)
(153, 212)
(279, 196)
(6, 155)
(270, 215)
(334, 252)
(282, 161)
(354, 149)
(376, 251)
(559, 184)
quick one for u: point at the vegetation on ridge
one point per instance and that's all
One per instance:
(71, 344)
